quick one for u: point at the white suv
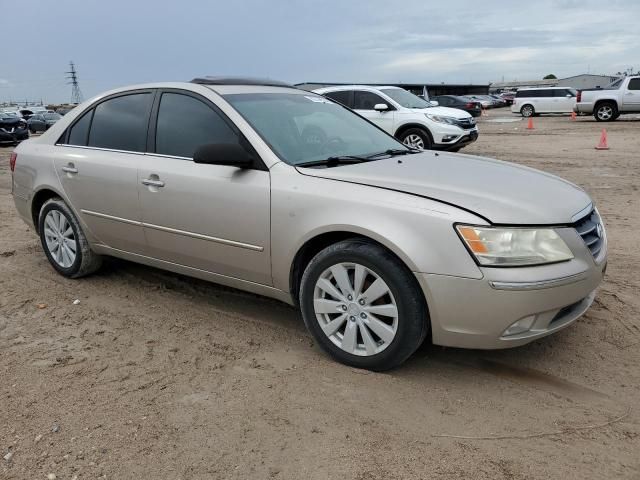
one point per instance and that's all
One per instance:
(412, 120)
(534, 101)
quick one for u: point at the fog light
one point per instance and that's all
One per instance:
(449, 138)
(522, 325)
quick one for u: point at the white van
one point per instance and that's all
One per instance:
(534, 101)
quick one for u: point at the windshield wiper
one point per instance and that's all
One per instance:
(393, 152)
(334, 161)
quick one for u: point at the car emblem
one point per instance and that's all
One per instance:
(599, 230)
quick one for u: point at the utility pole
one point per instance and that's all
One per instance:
(72, 76)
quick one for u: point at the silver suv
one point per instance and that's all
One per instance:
(282, 192)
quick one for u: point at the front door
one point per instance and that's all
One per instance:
(631, 98)
(210, 217)
(363, 103)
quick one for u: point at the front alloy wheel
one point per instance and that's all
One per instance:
(363, 305)
(355, 309)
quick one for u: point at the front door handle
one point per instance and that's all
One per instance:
(153, 183)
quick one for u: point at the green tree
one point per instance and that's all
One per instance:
(551, 76)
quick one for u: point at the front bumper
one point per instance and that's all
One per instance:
(467, 137)
(476, 313)
(17, 135)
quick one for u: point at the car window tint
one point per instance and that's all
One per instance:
(186, 123)
(80, 130)
(121, 123)
(366, 100)
(343, 97)
(634, 84)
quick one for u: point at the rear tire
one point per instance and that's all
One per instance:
(376, 316)
(63, 241)
(527, 111)
(416, 138)
(606, 112)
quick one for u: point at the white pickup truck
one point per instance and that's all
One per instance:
(607, 104)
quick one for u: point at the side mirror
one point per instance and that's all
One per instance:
(230, 154)
(381, 107)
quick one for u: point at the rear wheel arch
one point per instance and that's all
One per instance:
(39, 199)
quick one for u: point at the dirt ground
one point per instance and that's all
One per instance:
(155, 375)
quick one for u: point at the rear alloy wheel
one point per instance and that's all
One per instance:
(416, 138)
(362, 306)
(606, 112)
(527, 111)
(64, 242)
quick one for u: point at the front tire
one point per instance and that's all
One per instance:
(416, 138)
(63, 241)
(606, 112)
(363, 306)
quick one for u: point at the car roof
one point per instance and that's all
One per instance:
(339, 88)
(542, 88)
(265, 82)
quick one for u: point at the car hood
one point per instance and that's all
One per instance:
(501, 192)
(443, 111)
(9, 122)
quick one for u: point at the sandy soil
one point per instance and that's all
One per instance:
(154, 375)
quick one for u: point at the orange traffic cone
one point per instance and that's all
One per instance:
(530, 124)
(603, 141)
(573, 116)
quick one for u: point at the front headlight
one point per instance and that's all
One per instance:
(441, 119)
(509, 247)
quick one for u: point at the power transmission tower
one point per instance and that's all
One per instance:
(72, 76)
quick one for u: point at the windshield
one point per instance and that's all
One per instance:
(302, 128)
(406, 99)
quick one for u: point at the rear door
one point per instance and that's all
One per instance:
(210, 217)
(631, 97)
(97, 165)
(363, 103)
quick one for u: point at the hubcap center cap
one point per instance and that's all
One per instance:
(353, 309)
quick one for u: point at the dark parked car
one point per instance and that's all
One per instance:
(13, 129)
(40, 123)
(461, 102)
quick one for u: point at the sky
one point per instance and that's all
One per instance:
(117, 42)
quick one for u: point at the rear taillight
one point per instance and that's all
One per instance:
(12, 161)
(579, 96)
(470, 105)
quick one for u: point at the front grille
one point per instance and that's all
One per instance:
(592, 232)
(466, 123)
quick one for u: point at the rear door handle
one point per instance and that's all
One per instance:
(70, 169)
(153, 183)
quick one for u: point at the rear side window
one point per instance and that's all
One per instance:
(186, 123)
(343, 97)
(366, 100)
(121, 123)
(562, 92)
(634, 84)
(80, 130)
(529, 94)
